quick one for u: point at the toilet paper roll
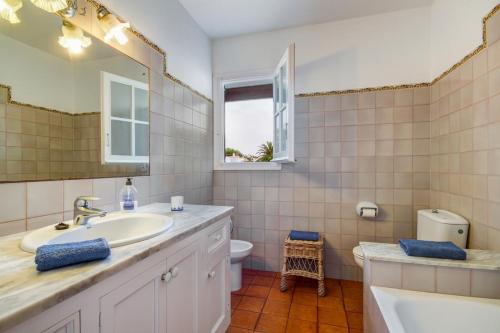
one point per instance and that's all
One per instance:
(368, 212)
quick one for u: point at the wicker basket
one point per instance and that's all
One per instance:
(303, 258)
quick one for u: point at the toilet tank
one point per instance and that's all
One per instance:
(441, 225)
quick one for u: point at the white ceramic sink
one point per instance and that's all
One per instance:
(117, 228)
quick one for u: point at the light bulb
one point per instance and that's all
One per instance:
(73, 38)
(112, 27)
(8, 9)
(51, 6)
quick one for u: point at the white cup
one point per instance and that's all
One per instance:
(177, 203)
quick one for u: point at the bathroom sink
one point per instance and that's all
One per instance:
(117, 228)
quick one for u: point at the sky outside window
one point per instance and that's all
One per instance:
(249, 124)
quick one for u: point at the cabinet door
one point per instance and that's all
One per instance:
(70, 324)
(182, 291)
(216, 296)
(137, 305)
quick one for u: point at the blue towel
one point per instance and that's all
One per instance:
(59, 255)
(304, 235)
(431, 249)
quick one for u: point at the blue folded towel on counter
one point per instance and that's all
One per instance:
(304, 235)
(431, 249)
(59, 255)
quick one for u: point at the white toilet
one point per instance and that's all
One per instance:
(434, 225)
(239, 251)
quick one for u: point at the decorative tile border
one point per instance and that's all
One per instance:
(416, 85)
(96, 4)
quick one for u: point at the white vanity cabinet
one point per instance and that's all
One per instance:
(183, 288)
(136, 306)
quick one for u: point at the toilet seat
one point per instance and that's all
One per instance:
(359, 257)
(358, 253)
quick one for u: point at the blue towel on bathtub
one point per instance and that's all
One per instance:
(304, 235)
(431, 249)
(59, 255)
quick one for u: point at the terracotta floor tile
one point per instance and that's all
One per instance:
(282, 296)
(265, 273)
(277, 308)
(332, 282)
(301, 326)
(351, 284)
(261, 307)
(233, 329)
(250, 303)
(355, 320)
(305, 298)
(303, 312)
(353, 330)
(235, 300)
(244, 319)
(353, 293)
(332, 317)
(353, 305)
(331, 303)
(257, 291)
(334, 291)
(307, 286)
(271, 324)
(242, 291)
(265, 281)
(323, 328)
(247, 279)
(247, 271)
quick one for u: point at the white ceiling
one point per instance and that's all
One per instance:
(224, 18)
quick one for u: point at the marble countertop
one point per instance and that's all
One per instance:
(25, 292)
(476, 259)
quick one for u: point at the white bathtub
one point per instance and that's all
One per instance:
(406, 311)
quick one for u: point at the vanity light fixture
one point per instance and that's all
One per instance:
(112, 27)
(73, 38)
(8, 9)
(51, 6)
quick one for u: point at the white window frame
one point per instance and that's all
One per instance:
(235, 80)
(287, 60)
(106, 156)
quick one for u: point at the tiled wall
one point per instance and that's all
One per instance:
(36, 144)
(465, 143)
(181, 163)
(368, 146)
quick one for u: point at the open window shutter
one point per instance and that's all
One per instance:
(284, 103)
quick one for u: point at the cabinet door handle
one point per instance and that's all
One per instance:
(166, 276)
(175, 271)
(211, 275)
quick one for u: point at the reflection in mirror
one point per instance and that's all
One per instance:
(71, 106)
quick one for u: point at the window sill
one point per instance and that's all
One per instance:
(248, 166)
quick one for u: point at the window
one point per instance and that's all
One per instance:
(124, 120)
(254, 119)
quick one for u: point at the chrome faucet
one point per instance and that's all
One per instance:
(82, 212)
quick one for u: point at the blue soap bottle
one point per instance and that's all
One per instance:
(128, 197)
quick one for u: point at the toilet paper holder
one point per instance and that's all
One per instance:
(367, 209)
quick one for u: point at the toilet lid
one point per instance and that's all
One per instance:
(358, 252)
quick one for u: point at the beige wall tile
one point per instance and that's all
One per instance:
(13, 203)
(454, 281)
(386, 274)
(484, 283)
(419, 277)
(44, 198)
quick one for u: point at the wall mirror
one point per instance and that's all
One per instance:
(71, 106)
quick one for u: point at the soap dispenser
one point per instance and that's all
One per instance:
(128, 197)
